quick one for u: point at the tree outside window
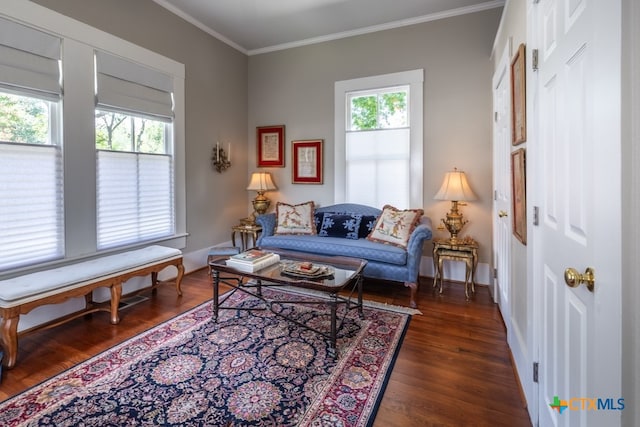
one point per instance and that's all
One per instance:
(24, 119)
(123, 132)
(380, 110)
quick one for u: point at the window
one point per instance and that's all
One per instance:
(58, 163)
(31, 178)
(135, 200)
(377, 147)
(379, 140)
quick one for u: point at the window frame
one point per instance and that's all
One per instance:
(79, 42)
(414, 79)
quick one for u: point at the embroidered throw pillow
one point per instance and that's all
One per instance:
(394, 226)
(340, 225)
(366, 225)
(295, 219)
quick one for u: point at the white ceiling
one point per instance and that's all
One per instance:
(258, 26)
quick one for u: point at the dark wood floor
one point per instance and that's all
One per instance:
(453, 368)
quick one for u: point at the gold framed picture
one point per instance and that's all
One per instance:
(518, 98)
(519, 194)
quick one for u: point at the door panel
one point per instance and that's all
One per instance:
(574, 182)
(502, 187)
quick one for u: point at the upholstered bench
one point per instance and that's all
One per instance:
(21, 294)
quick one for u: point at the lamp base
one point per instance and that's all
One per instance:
(260, 206)
(454, 222)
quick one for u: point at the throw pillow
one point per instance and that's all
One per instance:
(295, 219)
(317, 220)
(366, 225)
(340, 225)
(394, 226)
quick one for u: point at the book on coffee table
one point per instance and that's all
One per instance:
(251, 256)
(252, 266)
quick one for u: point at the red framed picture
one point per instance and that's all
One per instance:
(270, 142)
(307, 161)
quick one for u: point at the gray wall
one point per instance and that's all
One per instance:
(216, 104)
(228, 95)
(295, 87)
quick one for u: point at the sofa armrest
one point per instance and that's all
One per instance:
(414, 248)
(268, 224)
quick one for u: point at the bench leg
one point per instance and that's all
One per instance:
(154, 282)
(116, 293)
(413, 286)
(9, 338)
(180, 268)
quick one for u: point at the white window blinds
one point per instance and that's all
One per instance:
(29, 59)
(31, 210)
(31, 183)
(379, 162)
(135, 197)
(126, 86)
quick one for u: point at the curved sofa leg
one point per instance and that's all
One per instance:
(413, 286)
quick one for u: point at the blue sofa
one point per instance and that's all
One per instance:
(385, 261)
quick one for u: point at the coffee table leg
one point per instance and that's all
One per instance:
(360, 286)
(259, 287)
(216, 283)
(334, 314)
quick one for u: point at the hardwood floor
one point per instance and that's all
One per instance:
(453, 368)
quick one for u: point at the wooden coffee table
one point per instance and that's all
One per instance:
(347, 275)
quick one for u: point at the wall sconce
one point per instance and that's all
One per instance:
(260, 182)
(219, 159)
(456, 189)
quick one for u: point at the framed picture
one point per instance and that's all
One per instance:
(307, 161)
(270, 142)
(518, 98)
(519, 194)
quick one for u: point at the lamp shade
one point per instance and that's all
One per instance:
(261, 181)
(455, 187)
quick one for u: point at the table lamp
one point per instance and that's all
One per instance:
(456, 189)
(260, 182)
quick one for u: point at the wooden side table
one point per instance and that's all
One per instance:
(248, 234)
(465, 250)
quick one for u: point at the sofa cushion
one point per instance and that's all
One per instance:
(340, 225)
(361, 248)
(394, 226)
(295, 219)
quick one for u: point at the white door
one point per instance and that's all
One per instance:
(502, 187)
(576, 184)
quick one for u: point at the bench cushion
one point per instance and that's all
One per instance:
(36, 283)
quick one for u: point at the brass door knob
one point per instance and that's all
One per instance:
(572, 278)
(502, 214)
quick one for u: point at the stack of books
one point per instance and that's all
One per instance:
(252, 260)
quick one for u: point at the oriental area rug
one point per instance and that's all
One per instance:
(250, 368)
